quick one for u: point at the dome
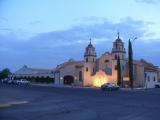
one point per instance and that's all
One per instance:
(90, 46)
(90, 43)
(118, 38)
(90, 50)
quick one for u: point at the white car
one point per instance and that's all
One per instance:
(23, 81)
(4, 80)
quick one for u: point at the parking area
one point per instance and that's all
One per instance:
(47, 103)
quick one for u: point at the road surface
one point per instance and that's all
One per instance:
(53, 103)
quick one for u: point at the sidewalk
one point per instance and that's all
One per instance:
(81, 87)
(65, 86)
(129, 89)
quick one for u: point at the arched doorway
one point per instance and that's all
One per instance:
(68, 80)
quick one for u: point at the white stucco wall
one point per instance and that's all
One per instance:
(138, 72)
(69, 70)
(149, 79)
(88, 81)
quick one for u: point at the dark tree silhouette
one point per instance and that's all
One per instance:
(119, 76)
(130, 63)
(4, 73)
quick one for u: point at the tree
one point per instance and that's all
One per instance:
(130, 63)
(4, 73)
(119, 76)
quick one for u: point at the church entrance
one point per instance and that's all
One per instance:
(68, 80)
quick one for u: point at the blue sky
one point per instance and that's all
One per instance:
(44, 33)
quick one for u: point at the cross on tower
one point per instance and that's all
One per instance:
(118, 35)
(90, 40)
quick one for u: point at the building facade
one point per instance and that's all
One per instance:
(95, 71)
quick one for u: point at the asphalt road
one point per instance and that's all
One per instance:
(50, 103)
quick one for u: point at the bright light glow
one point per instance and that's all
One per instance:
(99, 79)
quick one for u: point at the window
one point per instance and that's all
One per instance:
(80, 76)
(148, 78)
(116, 57)
(87, 69)
(106, 61)
(115, 67)
(86, 59)
(93, 59)
(93, 70)
(154, 79)
(145, 75)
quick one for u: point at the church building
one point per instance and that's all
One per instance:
(95, 71)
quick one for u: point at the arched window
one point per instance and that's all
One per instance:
(106, 61)
(148, 78)
(86, 59)
(145, 75)
(116, 45)
(154, 79)
(115, 67)
(116, 57)
(87, 69)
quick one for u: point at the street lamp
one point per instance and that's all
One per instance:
(134, 39)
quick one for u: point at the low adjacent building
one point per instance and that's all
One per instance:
(145, 74)
(69, 73)
(34, 75)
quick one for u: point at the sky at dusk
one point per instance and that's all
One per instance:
(44, 33)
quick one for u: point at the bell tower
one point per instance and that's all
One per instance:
(118, 49)
(89, 63)
(90, 54)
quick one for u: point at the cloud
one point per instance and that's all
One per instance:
(46, 50)
(6, 29)
(106, 30)
(148, 1)
(35, 22)
(2, 19)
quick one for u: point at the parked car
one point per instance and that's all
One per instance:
(23, 81)
(109, 87)
(10, 81)
(5, 80)
(157, 85)
(15, 82)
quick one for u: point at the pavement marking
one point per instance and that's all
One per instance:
(17, 102)
(4, 105)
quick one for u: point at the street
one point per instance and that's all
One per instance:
(54, 103)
